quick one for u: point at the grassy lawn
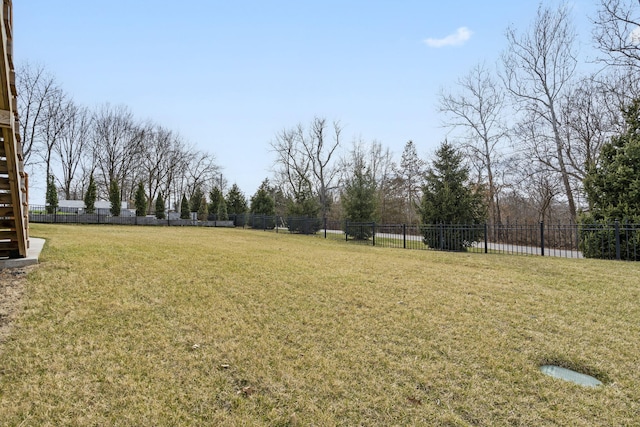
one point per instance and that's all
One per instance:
(140, 326)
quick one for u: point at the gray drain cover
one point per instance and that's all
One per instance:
(569, 375)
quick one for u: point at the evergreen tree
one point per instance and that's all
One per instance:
(203, 210)
(90, 196)
(51, 195)
(612, 186)
(447, 199)
(160, 207)
(114, 198)
(185, 212)
(222, 210)
(196, 200)
(215, 195)
(302, 212)
(236, 202)
(141, 200)
(263, 207)
(261, 202)
(303, 204)
(410, 177)
(359, 200)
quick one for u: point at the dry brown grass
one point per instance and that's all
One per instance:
(193, 326)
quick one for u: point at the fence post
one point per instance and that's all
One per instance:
(404, 236)
(542, 238)
(486, 242)
(325, 227)
(346, 230)
(373, 229)
(617, 228)
(441, 236)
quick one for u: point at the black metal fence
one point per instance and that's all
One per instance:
(616, 240)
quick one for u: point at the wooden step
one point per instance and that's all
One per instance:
(4, 167)
(8, 235)
(6, 211)
(4, 184)
(9, 249)
(5, 198)
(7, 224)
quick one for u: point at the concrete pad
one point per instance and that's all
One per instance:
(33, 253)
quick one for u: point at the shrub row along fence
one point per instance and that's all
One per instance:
(616, 240)
(42, 214)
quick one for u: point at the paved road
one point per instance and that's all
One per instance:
(496, 247)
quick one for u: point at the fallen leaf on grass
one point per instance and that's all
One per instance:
(247, 391)
(414, 400)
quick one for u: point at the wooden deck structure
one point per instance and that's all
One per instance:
(14, 219)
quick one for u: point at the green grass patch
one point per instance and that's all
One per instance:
(205, 326)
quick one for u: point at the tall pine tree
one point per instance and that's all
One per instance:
(359, 200)
(114, 198)
(237, 205)
(51, 195)
(410, 177)
(263, 207)
(222, 210)
(262, 203)
(196, 200)
(160, 207)
(141, 200)
(215, 195)
(185, 211)
(449, 200)
(203, 210)
(236, 202)
(90, 196)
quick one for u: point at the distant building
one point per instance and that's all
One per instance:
(103, 207)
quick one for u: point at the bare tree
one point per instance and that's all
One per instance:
(590, 121)
(54, 121)
(305, 160)
(617, 32)
(35, 88)
(292, 165)
(161, 159)
(539, 65)
(532, 191)
(201, 172)
(72, 145)
(320, 146)
(478, 111)
(117, 145)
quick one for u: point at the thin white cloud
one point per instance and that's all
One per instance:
(458, 38)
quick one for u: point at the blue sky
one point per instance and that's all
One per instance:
(227, 75)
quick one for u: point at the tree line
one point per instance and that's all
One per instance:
(73, 143)
(527, 131)
(530, 130)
